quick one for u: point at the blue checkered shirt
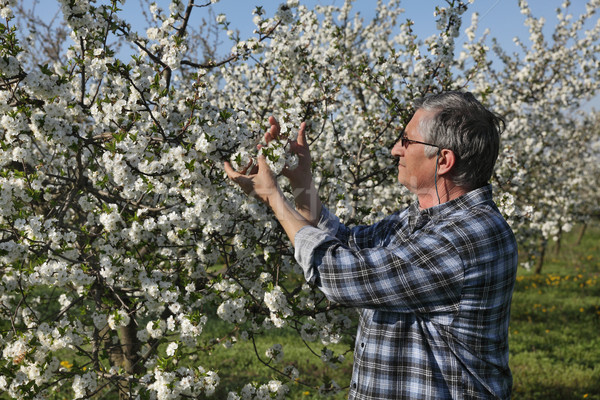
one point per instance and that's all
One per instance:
(433, 288)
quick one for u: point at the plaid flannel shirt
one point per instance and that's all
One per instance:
(433, 289)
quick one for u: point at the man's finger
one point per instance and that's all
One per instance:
(267, 138)
(262, 162)
(300, 145)
(245, 171)
(243, 181)
(302, 135)
(254, 170)
(231, 173)
(274, 130)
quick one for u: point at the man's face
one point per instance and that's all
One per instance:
(415, 171)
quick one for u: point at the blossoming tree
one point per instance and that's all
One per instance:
(120, 236)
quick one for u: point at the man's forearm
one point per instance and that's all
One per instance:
(290, 219)
(308, 203)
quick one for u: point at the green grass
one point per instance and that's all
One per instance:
(555, 324)
(239, 365)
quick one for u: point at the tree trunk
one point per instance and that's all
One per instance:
(130, 347)
(124, 355)
(542, 254)
(581, 233)
(129, 356)
(558, 240)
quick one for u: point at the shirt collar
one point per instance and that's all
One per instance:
(418, 218)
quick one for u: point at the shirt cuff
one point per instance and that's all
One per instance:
(306, 241)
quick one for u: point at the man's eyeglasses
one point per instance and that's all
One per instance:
(406, 141)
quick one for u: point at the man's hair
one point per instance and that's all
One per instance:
(463, 125)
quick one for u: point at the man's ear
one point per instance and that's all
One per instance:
(446, 160)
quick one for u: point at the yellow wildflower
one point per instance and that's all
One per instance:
(66, 364)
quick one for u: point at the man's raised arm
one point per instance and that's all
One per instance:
(306, 196)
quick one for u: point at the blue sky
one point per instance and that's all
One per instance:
(501, 17)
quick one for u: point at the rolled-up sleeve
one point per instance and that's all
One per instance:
(328, 222)
(307, 240)
(420, 275)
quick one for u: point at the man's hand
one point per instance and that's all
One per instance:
(301, 176)
(306, 196)
(259, 183)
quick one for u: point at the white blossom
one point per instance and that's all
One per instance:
(115, 206)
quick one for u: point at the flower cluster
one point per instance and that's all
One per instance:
(272, 390)
(183, 382)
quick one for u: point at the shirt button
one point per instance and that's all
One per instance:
(362, 345)
(354, 385)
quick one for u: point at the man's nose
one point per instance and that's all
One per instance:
(397, 150)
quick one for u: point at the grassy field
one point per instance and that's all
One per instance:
(554, 334)
(555, 324)
(236, 368)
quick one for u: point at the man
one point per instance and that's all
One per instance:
(433, 283)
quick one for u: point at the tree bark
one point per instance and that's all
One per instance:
(558, 242)
(542, 254)
(129, 356)
(581, 233)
